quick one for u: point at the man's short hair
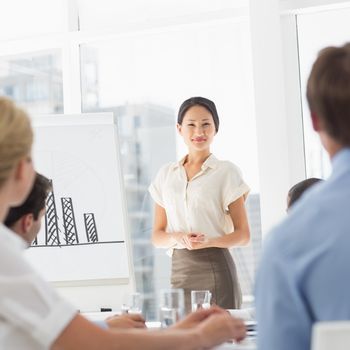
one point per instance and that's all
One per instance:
(328, 92)
(298, 189)
(34, 203)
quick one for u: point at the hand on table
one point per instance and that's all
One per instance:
(196, 317)
(219, 328)
(126, 321)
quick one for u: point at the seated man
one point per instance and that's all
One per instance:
(25, 221)
(303, 276)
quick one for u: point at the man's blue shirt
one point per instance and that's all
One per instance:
(304, 273)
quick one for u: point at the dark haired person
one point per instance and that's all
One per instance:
(199, 210)
(298, 190)
(25, 220)
(303, 275)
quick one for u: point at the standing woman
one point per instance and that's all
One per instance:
(32, 315)
(199, 210)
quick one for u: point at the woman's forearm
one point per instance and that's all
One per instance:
(81, 334)
(236, 238)
(153, 340)
(163, 239)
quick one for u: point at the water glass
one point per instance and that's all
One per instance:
(133, 304)
(200, 299)
(136, 303)
(172, 306)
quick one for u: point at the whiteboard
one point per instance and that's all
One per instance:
(84, 234)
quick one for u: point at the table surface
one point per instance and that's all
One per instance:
(247, 344)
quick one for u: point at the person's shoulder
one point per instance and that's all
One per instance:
(12, 259)
(283, 243)
(308, 222)
(229, 166)
(166, 169)
(274, 238)
(10, 240)
(295, 234)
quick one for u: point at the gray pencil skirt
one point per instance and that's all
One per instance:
(207, 269)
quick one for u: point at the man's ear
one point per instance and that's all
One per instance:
(316, 123)
(27, 222)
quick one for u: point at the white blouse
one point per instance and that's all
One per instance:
(201, 204)
(32, 314)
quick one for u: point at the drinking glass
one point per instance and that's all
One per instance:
(171, 306)
(136, 303)
(132, 304)
(200, 299)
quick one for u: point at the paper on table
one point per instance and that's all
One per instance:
(247, 314)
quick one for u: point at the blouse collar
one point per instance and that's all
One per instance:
(210, 162)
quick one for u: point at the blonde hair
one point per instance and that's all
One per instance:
(16, 137)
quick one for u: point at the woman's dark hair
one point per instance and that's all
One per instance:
(297, 190)
(199, 101)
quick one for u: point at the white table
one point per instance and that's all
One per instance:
(247, 344)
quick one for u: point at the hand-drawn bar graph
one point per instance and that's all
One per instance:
(70, 227)
(90, 227)
(54, 237)
(51, 220)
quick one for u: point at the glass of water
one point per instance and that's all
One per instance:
(200, 299)
(132, 304)
(172, 306)
(136, 303)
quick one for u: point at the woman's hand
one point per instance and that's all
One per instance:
(194, 318)
(220, 327)
(189, 241)
(196, 240)
(126, 321)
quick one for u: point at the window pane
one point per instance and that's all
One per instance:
(95, 14)
(313, 36)
(23, 18)
(34, 81)
(143, 78)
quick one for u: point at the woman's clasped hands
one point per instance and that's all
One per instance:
(191, 241)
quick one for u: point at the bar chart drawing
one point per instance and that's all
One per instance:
(84, 236)
(70, 227)
(90, 227)
(68, 234)
(52, 231)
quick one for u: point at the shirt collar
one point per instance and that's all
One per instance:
(12, 238)
(210, 162)
(341, 160)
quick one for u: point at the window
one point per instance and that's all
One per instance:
(119, 14)
(142, 78)
(34, 80)
(151, 59)
(314, 35)
(24, 18)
